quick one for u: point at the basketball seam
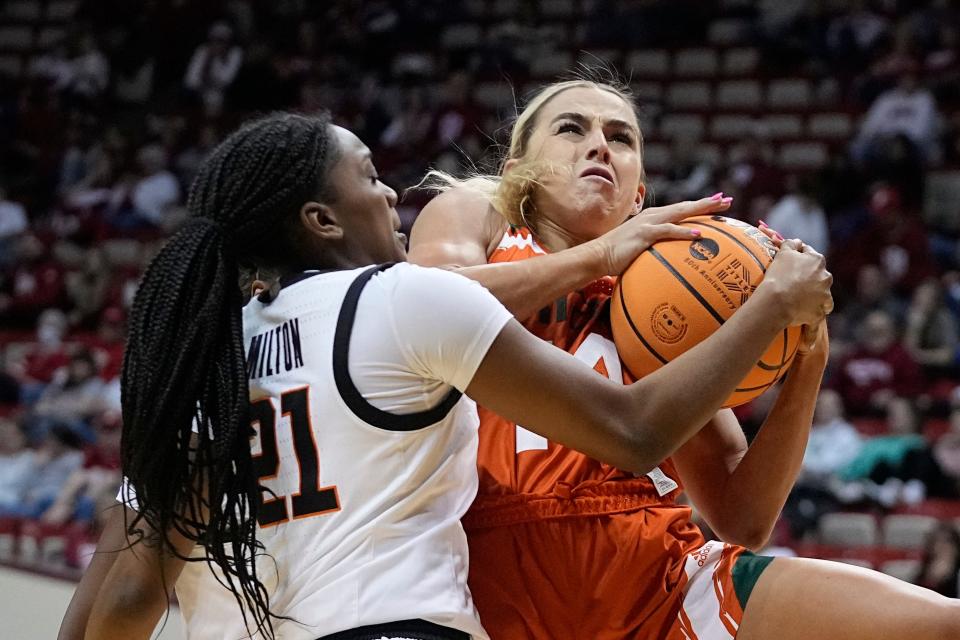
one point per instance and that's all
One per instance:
(689, 287)
(763, 386)
(636, 332)
(783, 355)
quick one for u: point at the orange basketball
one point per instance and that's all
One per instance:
(678, 292)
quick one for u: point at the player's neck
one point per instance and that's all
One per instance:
(555, 238)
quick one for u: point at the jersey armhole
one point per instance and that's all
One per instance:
(348, 391)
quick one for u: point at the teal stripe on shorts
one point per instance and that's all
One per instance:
(746, 572)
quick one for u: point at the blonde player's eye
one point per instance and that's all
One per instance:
(570, 127)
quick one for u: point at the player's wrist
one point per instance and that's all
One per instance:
(771, 302)
(593, 260)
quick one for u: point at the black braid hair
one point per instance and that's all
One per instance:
(184, 362)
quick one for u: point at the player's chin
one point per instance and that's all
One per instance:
(400, 249)
(599, 215)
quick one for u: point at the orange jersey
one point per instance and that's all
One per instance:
(563, 546)
(523, 476)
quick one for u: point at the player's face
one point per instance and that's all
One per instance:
(592, 136)
(364, 206)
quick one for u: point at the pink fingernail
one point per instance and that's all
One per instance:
(763, 224)
(726, 200)
(779, 237)
(695, 232)
(718, 195)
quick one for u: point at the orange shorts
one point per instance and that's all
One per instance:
(624, 576)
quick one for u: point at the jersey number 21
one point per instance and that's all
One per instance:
(311, 499)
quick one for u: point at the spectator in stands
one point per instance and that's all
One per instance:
(101, 166)
(87, 289)
(940, 566)
(754, 175)
(944, 56)
(157, 191)
(931, 331)
(833, 445)
(878, 370)
(916, 475)
(901, 57)
(57, 458)
(909, 109)
(107, 345)
(457, 115)
(90, 70)
(187, 162)
(799, 215)
(946, 450)
(884, 463)
(80, 157)
(871, 293)
(894, 239)
(148, 200)
(54, 67)
(13, 224)
(853, 34)
(214, 67)
(35, 284)
(134, 73)
(45, 356)
(17, 465)
(690, 175)
(9, 386)
(410, 126)
(98, 478)
(70, 400)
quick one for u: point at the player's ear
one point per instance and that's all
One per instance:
(321, 220)
(641, 194)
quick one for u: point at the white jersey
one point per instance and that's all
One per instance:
(368, 448)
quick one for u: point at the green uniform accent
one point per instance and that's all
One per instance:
(746, 572)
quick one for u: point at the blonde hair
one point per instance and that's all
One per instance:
(511, 194)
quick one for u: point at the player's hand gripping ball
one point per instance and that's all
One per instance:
(678, 292)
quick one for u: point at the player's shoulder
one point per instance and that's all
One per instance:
(461, 211)
(405, 278)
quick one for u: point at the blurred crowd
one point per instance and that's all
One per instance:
(103, 129)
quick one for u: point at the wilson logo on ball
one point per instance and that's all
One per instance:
(668, 323)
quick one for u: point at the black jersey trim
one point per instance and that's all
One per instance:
(349, 392)
(266, 297)
(415, 629)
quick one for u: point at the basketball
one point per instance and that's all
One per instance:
(679, 292)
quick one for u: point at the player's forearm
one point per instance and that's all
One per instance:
(527, 286)
(120, 621)
(111, 541)
(685, 394)
(758, 487)
(127, 606)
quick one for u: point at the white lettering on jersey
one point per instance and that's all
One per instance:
(595, 351)
(601, 354)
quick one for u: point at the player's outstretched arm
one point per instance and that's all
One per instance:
(740, 491)
(459, 229)
(635, 427)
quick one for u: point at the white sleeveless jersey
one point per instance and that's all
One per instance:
(368, 448)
